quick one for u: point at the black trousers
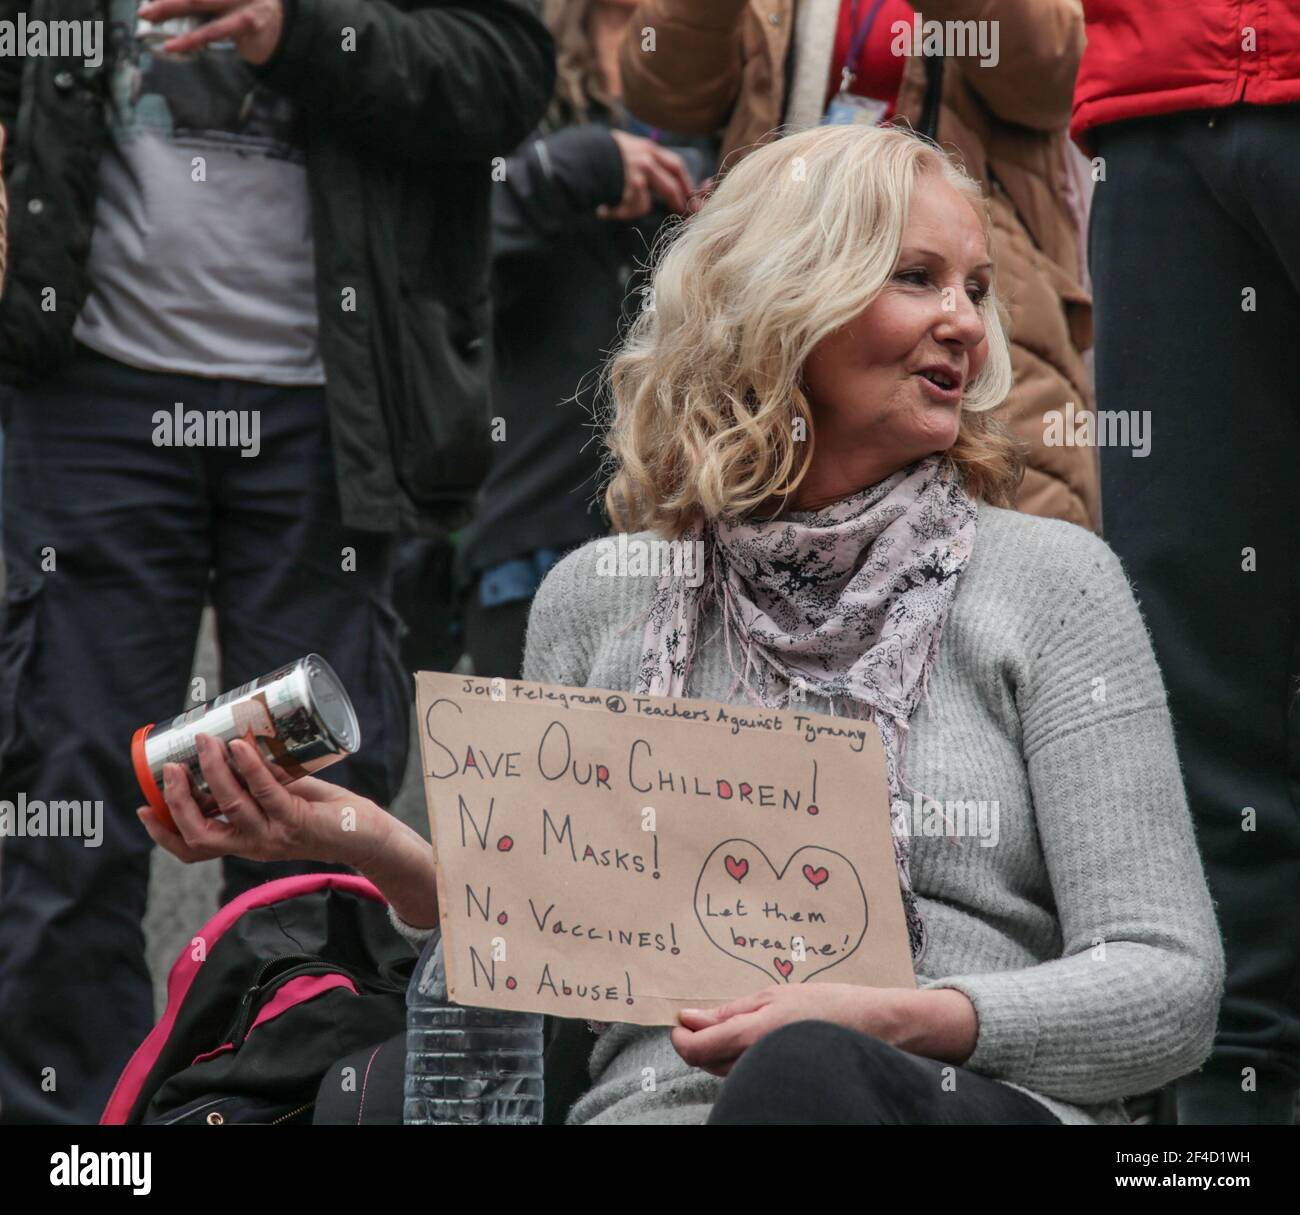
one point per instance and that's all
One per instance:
(112, 545)
(1195, 257)
(819, 1073)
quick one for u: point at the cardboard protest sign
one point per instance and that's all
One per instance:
(620, 857)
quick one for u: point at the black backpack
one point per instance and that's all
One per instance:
(281, 983)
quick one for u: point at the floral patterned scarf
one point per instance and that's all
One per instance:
(847, 602)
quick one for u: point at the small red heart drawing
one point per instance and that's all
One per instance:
(816, 876)
(736, 868)
(502, 918)
(511, 984)
(812, 809)
(740, 941)
(505, 843)
(784, 967)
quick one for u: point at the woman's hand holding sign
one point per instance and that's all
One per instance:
(939, 1023)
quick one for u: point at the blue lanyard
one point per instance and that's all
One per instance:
(860, 35)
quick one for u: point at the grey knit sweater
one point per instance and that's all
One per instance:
(1085, 937)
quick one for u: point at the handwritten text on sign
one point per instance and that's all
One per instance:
(619, 857)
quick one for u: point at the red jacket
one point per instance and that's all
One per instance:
(1145, 58)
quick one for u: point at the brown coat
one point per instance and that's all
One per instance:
(721, 64)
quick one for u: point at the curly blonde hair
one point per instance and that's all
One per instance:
(796, 241)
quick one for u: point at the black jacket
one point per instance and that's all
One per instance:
(559, 281)
(565, 285)
(401, 135)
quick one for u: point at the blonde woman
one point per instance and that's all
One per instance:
(838, 285)
(753, 68)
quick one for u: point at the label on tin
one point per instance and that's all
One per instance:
(278, 713)
(210, 707)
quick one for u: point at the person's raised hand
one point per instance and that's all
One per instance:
(701, 194)
(649, 172)
(309, 819)
(254, 26)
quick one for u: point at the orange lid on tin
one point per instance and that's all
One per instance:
(149, 786)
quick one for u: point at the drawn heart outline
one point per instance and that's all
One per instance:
(845, 868)
(736, 868)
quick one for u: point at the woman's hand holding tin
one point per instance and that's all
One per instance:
(264, 820)
(309, 819)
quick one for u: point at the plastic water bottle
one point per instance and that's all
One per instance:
(467, 1065)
